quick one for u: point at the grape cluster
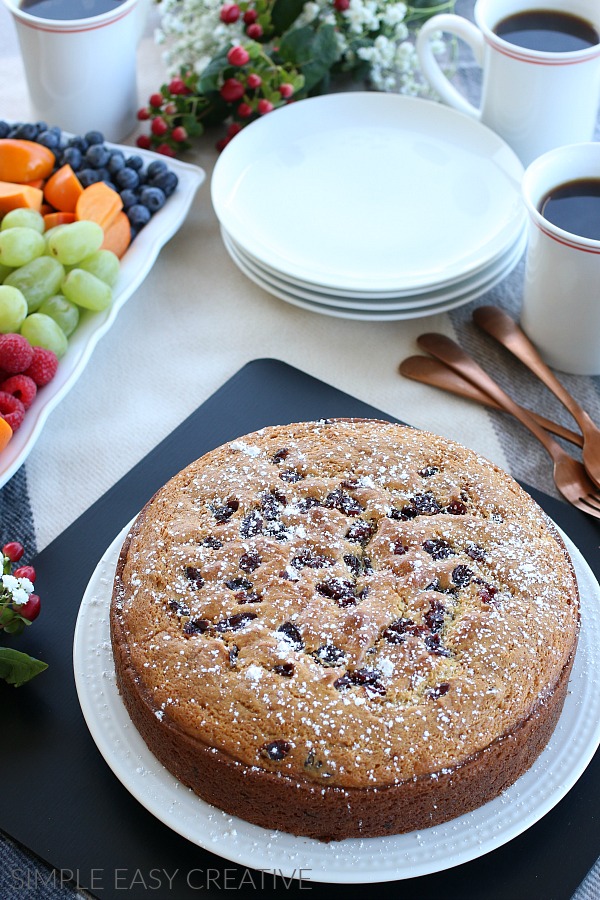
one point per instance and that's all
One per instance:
(143, 189)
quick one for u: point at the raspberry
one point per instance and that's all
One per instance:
(254, 80)
(22, 387)
(11, 409)
(254, 31)
(16, 353)
(43, 366)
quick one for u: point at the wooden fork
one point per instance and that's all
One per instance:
(570, 476)
(501, 327)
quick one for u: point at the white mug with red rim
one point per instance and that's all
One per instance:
(561, 296)
(81, 73)
(535, 100)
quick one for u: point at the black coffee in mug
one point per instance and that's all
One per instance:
(574, 207)
(68, 9)
(548, 30)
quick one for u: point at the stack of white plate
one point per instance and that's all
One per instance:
(371, 206)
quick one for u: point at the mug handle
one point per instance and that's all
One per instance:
(471, 35)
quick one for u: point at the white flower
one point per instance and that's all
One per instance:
(20, 588)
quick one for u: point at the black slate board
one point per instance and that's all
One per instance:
(72, 811)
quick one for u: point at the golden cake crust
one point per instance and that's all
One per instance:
(344, 628)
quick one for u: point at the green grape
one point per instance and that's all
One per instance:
(71, 243)
(84, 289)
(37, 280)
(25, 218)
(42, 331)
(104, 264)
(4, 271)
(64, 313)
(19, 245)
(13, 309)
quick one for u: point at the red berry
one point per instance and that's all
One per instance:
(170, 109)
(143, 114)
(233, 129)
(341, 5)
(25, 572)
(177, 86)
(143, 141)
(16, 353)
(286, 90)
(31, 609)
(22, 387)
(12, 410)
(179, 134)
(254, 31)
(264, 106)
(244, 110)
(43, 366)
(250, 16)
(231, 91)
(165, 149)
(253, 81)
(159, 126)
(220, 145)
(14, 550)
(156, 100)
(229, 13)
(238, 56)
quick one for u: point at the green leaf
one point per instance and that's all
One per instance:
(209, 79)
(313, 52)
(17, 668)
(285, 13)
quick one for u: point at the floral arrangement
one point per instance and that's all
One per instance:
(233, 62)
(19, 607)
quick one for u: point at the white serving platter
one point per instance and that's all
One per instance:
(467, 837)
(135, 266)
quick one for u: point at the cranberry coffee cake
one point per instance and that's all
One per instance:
(344, 628)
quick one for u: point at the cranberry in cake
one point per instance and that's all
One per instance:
(344, 628)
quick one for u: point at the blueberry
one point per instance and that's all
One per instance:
(138, 215)
(41, 126)
(156, 168)
(73, 157)
(26, 132)
(78, 142)
(4, 129)
(166, 181)
(88, 176)
(135, 162)
(116, 162)
(128, 198)
(94, 137)
(49, 139)
(103, 174)
(127, 178)
(97, 156)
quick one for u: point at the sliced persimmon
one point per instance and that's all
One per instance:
(52, 219)
(24, 161)
(99, 203)
(117, 237)
(6, 433)
(63, 189)
(14, 196)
